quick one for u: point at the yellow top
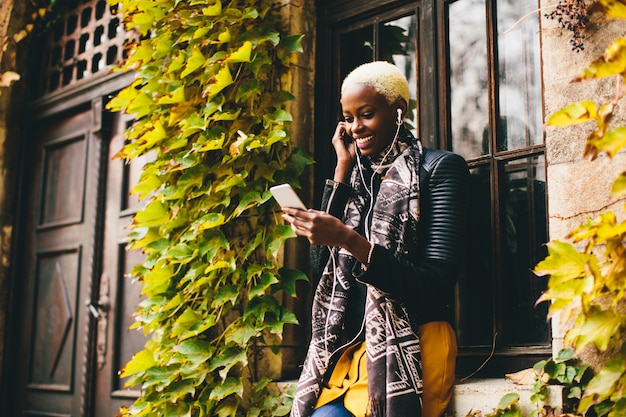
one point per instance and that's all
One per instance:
(349, 378)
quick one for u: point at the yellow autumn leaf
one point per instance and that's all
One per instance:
(177, 96)
(154, 214)
(210, 221)
(155, 135)
(220, 81)
(224, 36)
(610, 8)
(613, 141)
(242, 54)
(177, 63)
(140, 362)
(201, 32)
(140, 104)
(140, 54)
(574, 113)
(193, 63)
(123, 99)
(619, 186)
(212, 144)
(613, 62)
(214, 10)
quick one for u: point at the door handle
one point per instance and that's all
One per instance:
(100, 312)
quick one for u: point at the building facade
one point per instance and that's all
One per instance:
(484, 76)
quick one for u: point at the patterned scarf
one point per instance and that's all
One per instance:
(392, 345)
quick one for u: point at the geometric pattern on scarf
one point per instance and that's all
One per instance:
(392, 344)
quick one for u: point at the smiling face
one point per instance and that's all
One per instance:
(370, 119)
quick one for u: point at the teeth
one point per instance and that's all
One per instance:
(365, 139)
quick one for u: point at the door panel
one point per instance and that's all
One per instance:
(58, 258)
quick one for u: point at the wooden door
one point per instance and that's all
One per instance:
(59, 261)
(78, 301)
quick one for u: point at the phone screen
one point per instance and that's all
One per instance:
(286, 196)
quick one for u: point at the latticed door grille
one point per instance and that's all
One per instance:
(85, 42)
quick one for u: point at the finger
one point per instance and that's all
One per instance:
(288, 218)
(298, 213)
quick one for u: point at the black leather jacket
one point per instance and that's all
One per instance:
(424, 282)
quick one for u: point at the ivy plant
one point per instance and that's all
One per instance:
(211, 110)
(564, 369)
(587, 272)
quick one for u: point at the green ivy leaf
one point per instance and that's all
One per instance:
(564, 355)
(228, 387)
(508, 400)
(188, 319)
(601, 385)
(288, 279)
(233, 356)
(224, 295)
(277, 239)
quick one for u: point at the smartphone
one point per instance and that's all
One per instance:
(286, 196)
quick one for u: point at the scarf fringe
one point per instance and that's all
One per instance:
(376, 408)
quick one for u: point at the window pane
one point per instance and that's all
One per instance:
(522, 243)
(356, 47)
(520, 78)
(475, 286)
(398, 44)
(469, 104)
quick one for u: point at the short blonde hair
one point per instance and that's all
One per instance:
(386, 78)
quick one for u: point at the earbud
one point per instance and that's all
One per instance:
(399, 116)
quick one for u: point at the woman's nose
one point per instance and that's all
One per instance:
(356, 125)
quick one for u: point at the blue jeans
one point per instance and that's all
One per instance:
(334, 409)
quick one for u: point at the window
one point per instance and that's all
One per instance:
(495, 121)
(474, 71)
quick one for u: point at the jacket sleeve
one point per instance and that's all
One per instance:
(334, 199)
(425, 282)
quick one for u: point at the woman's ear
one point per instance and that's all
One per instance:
(401, 106)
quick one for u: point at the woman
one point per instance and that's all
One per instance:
(387, 249)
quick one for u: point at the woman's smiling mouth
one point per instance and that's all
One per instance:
(364, 139)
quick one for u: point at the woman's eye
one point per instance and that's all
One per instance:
(368, 115)
(349, 119)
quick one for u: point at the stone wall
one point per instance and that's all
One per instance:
(577, 187)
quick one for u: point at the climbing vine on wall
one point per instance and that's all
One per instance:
(587, 273)
(210, 108)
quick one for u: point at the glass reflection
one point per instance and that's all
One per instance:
(524, 227)
(519, 72)
(357, 47)
(469, 103)
(475, 297)
(398, 44)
